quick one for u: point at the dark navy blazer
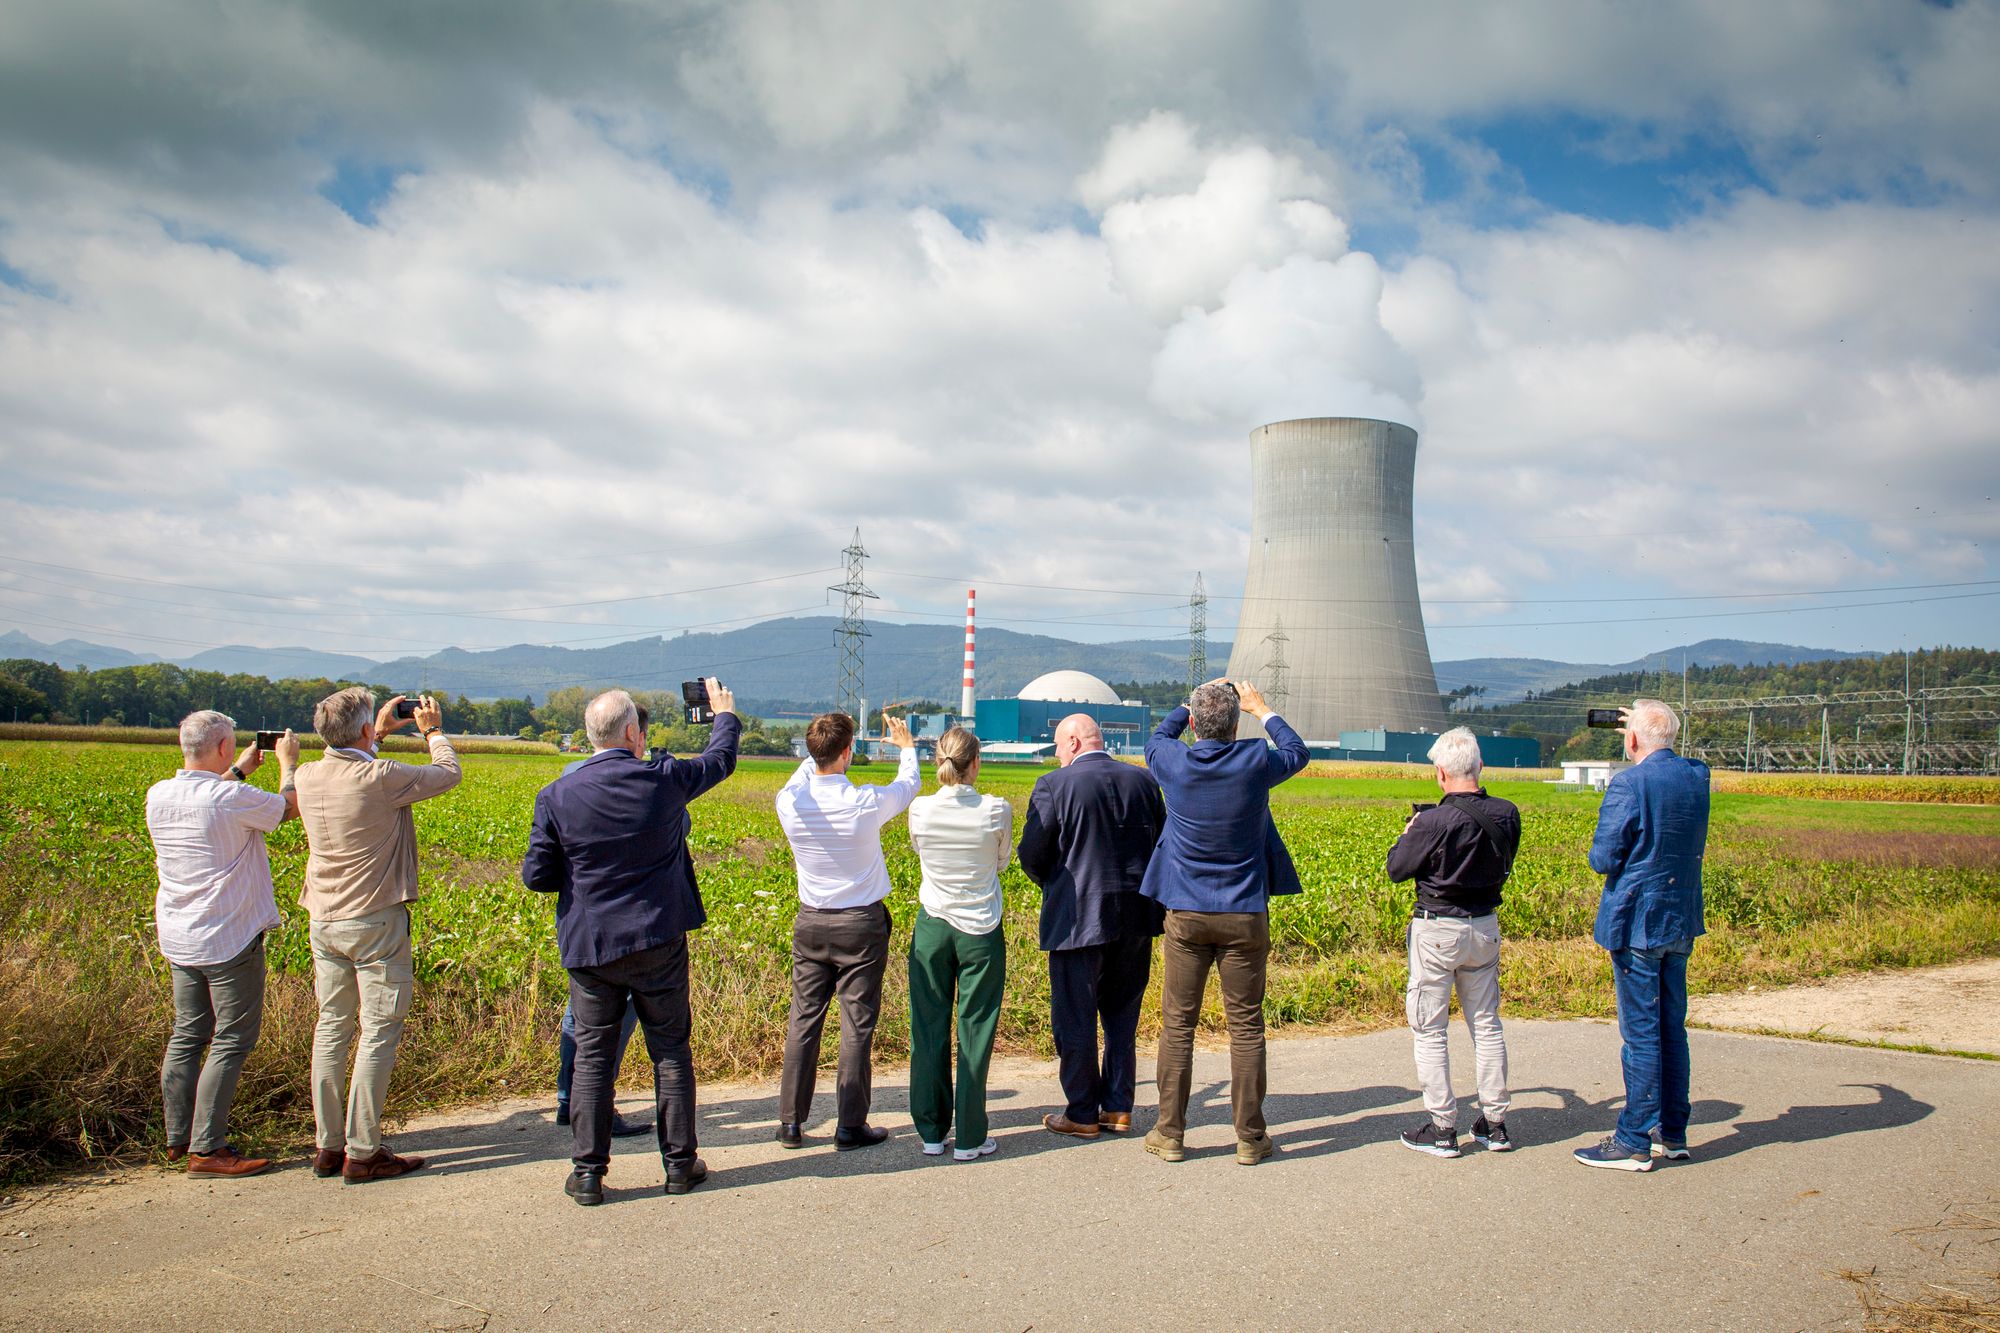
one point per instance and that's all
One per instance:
(610, 841)
(1090, 830)
(1651, 833)
(1221, 851)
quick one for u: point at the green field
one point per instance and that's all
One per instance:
(1796, 888)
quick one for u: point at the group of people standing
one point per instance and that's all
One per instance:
(1185, 848)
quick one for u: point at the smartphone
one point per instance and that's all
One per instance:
(1603, 717)
(1418, 807)
(408, 707)
(268, 740)
(694, 694)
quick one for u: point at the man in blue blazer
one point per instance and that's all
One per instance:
(1651, 833)
(610, 841)
(1219, 862)
(1089, 834)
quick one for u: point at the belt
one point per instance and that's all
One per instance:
(1425, 914)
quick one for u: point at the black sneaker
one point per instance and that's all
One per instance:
(1615, 1155)
(586, 1186)
(790, 1135)
(1674, 1150)
(682, 1177)
(1429, 1138)
(1493, 1138)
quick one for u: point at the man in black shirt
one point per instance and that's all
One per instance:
(1459, 851)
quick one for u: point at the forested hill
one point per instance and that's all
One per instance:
(1555, 716)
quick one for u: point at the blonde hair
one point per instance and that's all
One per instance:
(957, 752)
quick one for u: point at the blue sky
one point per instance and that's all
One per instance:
(384, 338)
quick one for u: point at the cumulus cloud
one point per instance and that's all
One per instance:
(650, 295)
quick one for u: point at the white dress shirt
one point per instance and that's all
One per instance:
(963, 841)
(215, 878)
(835, 829)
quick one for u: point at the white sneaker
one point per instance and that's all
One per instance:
(936, 1149)
(986, 1149)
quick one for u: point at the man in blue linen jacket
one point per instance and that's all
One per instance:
(1089, 834)
(1651, 833)
(610, 841)
(1219, 862)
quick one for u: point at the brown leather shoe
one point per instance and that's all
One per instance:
(1058, 1123)
(176, 1151)
(224, 1161)
(328, 1161)
(384, 1165)
(1115, 1122)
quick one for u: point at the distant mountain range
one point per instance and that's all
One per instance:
(790, 664)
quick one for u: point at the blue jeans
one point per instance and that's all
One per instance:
(1652, 1018)
(566, 1072)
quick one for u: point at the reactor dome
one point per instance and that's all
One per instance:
(1069, 687)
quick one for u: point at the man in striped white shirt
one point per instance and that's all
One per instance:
(214, 904)
(840, 942)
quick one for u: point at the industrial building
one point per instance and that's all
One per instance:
(1331, 628)
(1030, 718)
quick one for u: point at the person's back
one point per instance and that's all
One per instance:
(840, 938)
(1219, 862)
(1090, 832)
(361, 837)
(1652, 836)
(1652, 831)
(963, 841)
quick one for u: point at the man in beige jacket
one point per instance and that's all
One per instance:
(361, 876)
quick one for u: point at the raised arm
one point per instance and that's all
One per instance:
(1291, 754)
(893, 798)
(420, 782)
(717, 760)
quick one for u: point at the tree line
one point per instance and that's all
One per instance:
(160, 694)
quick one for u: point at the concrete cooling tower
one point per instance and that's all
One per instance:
(1330, 611)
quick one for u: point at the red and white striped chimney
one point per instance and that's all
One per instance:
(966, 706)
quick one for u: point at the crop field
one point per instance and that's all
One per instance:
(1795, 888)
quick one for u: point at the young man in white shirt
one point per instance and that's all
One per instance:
(840, 942)
(214, 904)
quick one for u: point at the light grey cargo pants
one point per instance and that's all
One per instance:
(1447, 952)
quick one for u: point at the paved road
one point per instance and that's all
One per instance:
(1810, 1159)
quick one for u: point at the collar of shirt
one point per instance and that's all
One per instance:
(352, 752)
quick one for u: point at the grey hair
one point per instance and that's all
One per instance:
(1214, 710)
(200, 731)
(1654, 724)
(605, 720)
(1457, 753)
(340, 716)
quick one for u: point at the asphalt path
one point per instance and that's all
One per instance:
(1810, 1159)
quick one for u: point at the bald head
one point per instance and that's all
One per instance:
(1077, 734)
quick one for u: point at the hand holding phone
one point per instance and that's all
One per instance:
(694, 697)
(268, 740)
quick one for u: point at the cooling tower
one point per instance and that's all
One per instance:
(1332, 587)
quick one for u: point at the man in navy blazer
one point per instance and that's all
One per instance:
(1651, 833)
(610, 841)
(1219, 862)
(1087, 839)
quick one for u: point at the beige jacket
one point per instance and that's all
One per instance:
(361, 841)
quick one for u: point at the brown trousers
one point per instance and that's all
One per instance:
(1237, 945)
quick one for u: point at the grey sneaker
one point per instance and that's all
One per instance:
(1491, 1136)
(1615, 1155)
(1674, 1150)
(1431, 1139)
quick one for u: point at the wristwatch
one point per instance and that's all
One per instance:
(241, 776)
(428, 734)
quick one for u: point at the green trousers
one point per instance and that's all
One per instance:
(944, 961)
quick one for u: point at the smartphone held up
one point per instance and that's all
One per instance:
(694, 695)
(1608, 719)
